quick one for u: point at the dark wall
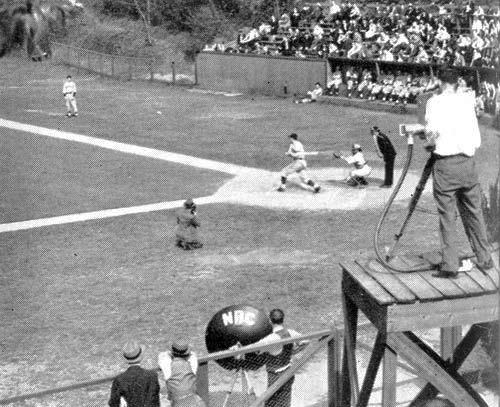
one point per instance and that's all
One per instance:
(256, 74)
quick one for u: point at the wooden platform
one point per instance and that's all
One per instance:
(399, 303)
(407, 301)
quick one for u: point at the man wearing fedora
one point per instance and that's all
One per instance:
(186, 233)
(137, 386)
(179, 367)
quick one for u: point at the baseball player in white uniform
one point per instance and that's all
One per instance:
(69, 92)
(361, 168)
(298, 165)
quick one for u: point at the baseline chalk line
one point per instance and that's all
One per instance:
(107, 213)
(127, 148)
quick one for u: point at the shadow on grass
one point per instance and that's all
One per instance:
(372, 182)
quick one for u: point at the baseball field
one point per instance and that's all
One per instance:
(87, 217)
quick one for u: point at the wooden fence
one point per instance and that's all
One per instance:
(121, 67)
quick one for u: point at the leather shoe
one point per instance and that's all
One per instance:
(446, 274)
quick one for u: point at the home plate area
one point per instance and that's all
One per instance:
(258, 188)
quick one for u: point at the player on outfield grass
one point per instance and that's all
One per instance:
(298, 165)
(69, 92)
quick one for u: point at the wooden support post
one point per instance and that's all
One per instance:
(350, 385)
(461, 352)
(173, 72)
(325, 78)
(196, 71)
(372, 369)
(389, 378)
(450, 338)
(334, 373)
(202, 382)
(377, 70)
(433, 369)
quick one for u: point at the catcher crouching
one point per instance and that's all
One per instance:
(357, 176)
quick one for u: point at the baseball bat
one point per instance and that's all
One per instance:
(319, 152)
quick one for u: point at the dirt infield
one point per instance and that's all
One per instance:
(258, 188)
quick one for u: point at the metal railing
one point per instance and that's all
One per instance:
(325, 338)
(330, 339)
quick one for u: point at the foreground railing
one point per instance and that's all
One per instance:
(218, 394)
(319, 340)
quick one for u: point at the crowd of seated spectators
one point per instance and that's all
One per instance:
(402, 87)
(452, 34)
(398, 87)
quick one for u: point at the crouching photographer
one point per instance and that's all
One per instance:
(186, 233)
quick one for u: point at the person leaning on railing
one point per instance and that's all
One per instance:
(179, 367)
(137, 386)
(278, 359)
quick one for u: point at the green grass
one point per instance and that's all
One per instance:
(71, 294)
(44, 177)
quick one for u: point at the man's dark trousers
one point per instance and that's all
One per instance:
(389, 169)
(456, 184)
(283, 397)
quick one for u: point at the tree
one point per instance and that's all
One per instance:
(144, 10)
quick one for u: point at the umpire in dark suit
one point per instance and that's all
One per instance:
(139, 387)
(385, 150)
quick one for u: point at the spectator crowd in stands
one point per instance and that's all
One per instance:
(398, 88)
(452, 34)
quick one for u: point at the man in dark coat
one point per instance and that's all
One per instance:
(385, 150)
(139, 387)
(278, 359)
(186, 233)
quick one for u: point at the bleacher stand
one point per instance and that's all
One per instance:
(457, 34)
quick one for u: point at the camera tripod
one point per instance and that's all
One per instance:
(246, 384)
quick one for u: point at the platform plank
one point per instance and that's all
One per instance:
(420, 286)
(368, 283)
(482, 279)
(468, 285)
(406, 262)
(447, 287)
(415, 261)
(390, 281)
(493, 274)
